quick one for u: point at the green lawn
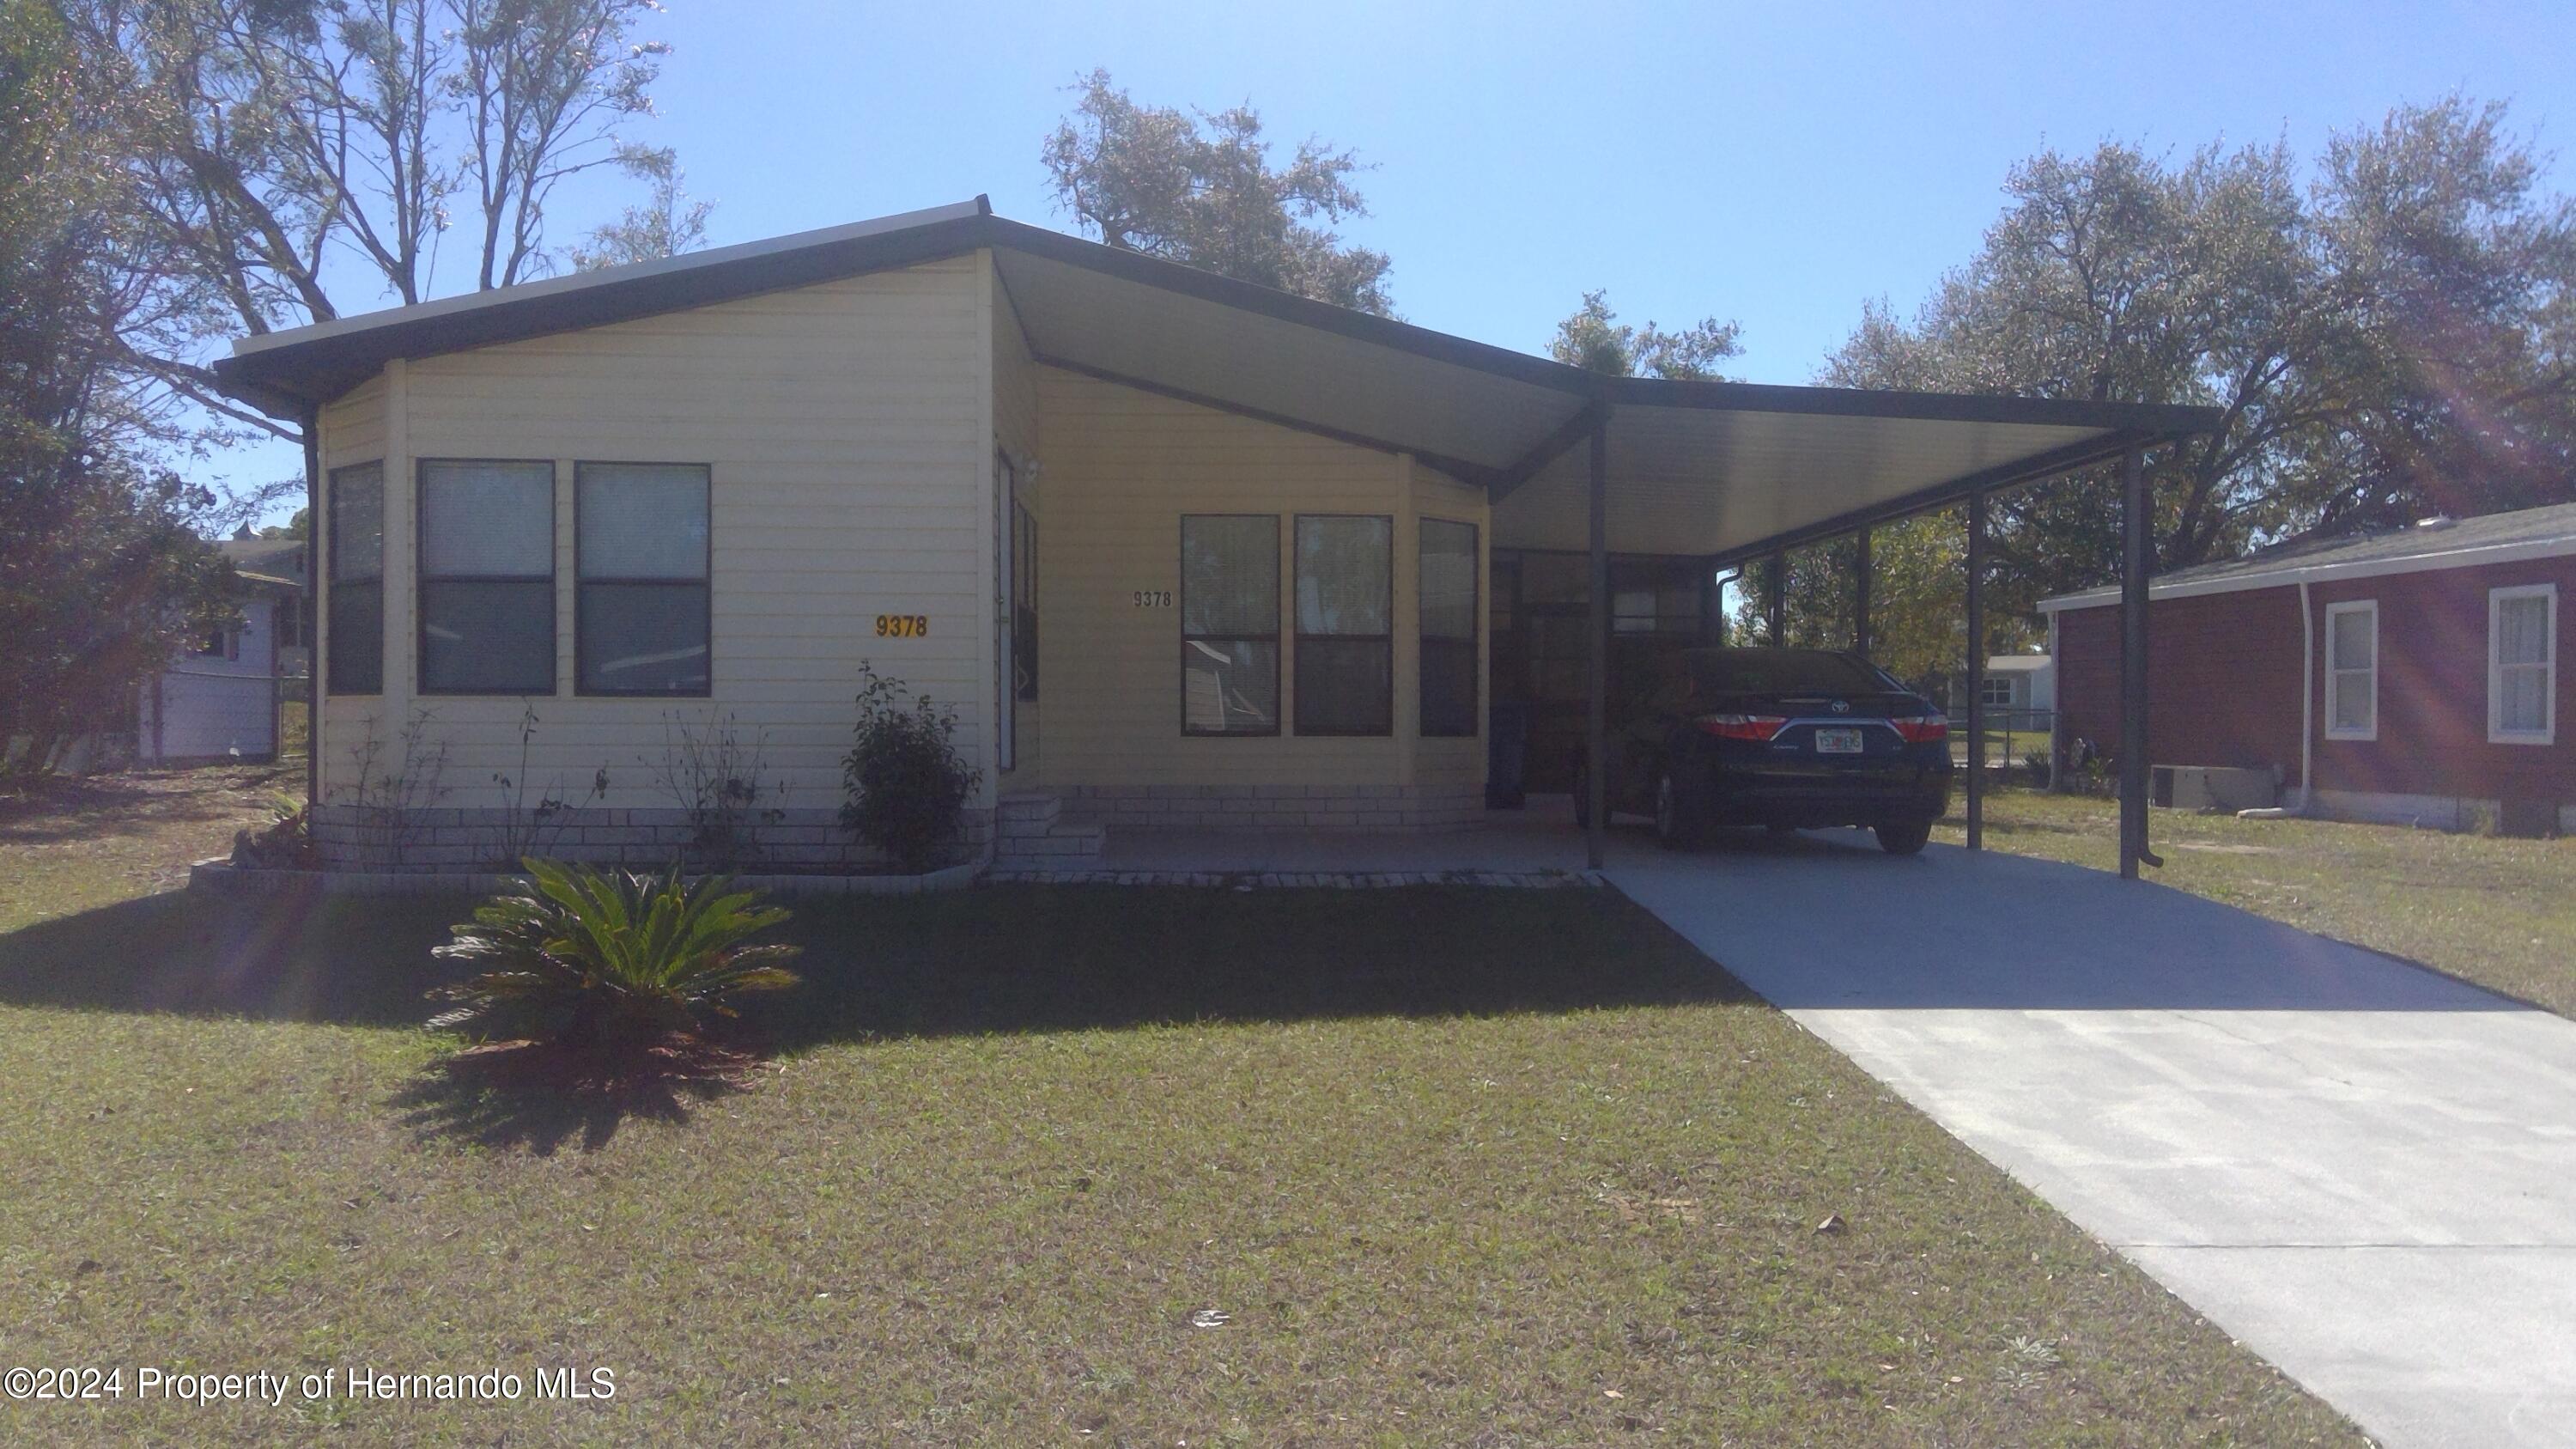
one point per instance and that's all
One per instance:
(2497, 912)
(1457, 1166)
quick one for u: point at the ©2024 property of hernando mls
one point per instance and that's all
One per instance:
(1179, 551)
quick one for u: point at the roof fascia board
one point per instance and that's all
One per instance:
(1459, 468)
(2282, 578)
(1749, 397)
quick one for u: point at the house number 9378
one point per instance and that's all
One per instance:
(903, 626)
(1153, 598)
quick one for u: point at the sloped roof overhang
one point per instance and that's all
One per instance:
(1707, 468)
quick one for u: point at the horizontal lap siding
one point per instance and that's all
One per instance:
(2433, 690)
(844, 428)
(2222, 679)
(1120, 469)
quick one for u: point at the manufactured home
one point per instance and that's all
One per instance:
(1178, 551)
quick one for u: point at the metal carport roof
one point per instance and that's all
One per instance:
(1706, 468)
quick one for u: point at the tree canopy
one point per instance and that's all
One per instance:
(2389, 335)
(1595, 339)
(1199, 188)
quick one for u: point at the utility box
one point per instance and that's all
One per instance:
(2215, 787)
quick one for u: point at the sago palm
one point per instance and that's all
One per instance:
(589, 956)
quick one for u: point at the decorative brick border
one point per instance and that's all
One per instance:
(469, 842)
(221, 877)
(1394, 809)
(1303, 879)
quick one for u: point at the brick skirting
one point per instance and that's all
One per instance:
(469, 841)
(1390, 808)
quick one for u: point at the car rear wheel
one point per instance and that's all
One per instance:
(1903, 837)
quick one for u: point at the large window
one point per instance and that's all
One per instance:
(355, 544)
(1345, 625)
(2522, 665)
(640, 612)
(1229, 625)
(1449, 609)
(487, 578)
(2352, 671)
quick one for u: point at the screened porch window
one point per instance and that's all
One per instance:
(2522, 665)
(1345, 625)
(640, 617)
(1449, 610)
(1229, 624)
(487, 578)
(2352, 671)
(354, 540)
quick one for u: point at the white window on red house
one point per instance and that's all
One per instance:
(2522, 664)
(2352, 671)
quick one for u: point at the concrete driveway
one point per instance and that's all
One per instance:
(2362, 1169)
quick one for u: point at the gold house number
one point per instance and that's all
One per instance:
(903, 626)
(1153, 598)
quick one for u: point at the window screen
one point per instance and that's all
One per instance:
(355, 540)
(2352, 671)
(641, 610)
(1229, 625)
(2521, 661)
(487, 578)
(1345, 622)
(1449, 610)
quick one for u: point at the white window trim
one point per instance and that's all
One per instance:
(2333, 613)
(2547, 734)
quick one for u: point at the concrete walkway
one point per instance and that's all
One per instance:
(2365, 1171)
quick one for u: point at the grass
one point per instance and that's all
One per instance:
(67, 845)
(1453, 1166)
(2490, 910)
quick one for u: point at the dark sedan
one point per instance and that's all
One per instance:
(1785, 738)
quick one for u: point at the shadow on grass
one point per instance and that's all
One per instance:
(89, 808)
(1001, 959)
(522, 1097)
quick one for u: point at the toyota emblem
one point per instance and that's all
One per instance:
(1842, 706)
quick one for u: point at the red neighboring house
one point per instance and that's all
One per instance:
(2409, 676)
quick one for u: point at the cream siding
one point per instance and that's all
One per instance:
(846, 430)
(1121, 466)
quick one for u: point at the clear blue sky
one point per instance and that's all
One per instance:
(1769, 163)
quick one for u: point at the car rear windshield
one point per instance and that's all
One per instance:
(1783, 671)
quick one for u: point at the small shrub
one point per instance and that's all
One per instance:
(717, 776)
(285, 843)
(594, 959)
(907, 784)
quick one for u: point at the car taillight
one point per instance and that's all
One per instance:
(1923, 729)
(1742, 726)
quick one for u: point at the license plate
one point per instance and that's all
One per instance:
(1838, 742)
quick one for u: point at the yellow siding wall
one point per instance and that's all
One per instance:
(847, 427)
(1120, 467)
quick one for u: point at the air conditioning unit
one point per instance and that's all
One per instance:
(2215, 787)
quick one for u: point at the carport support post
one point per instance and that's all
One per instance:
(1777, 606)
(1596, 742)
(2137, 556)
(1976, 671)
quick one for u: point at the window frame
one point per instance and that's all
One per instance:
(705, 582)
(2547, 734)
(1297, 571)
(1275, 638)
(331, 581)
(421, 579)
(2334, 612)
(1476, 630)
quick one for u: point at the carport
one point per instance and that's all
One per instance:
(1713, 473)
